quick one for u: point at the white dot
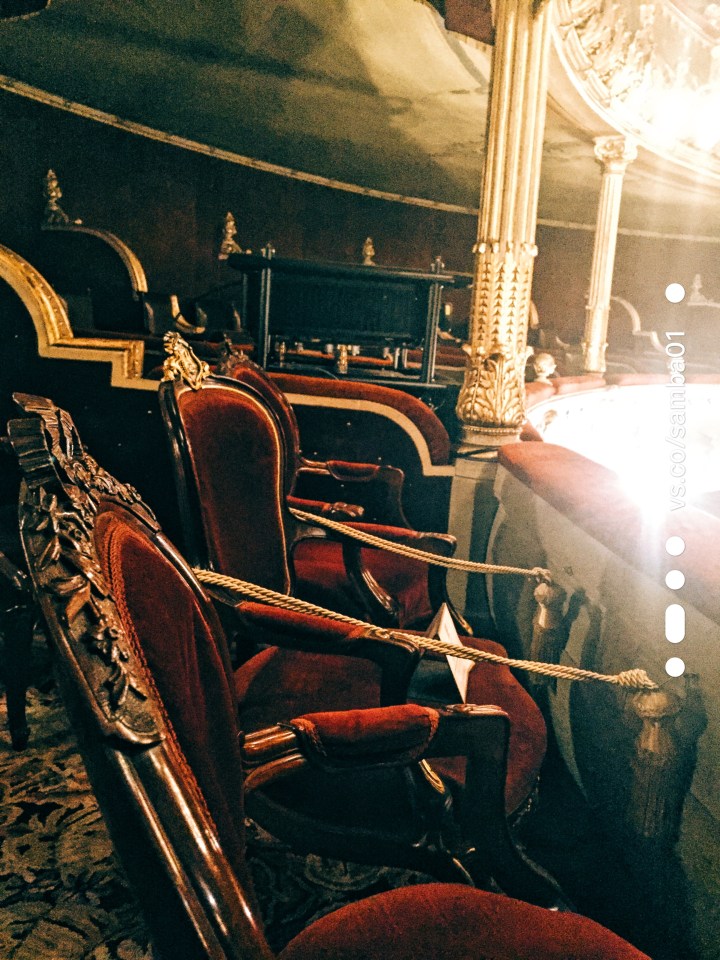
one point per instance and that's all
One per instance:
(675, 579)
(675, 623)
(674, 546)
(675, 292)
(675, 667)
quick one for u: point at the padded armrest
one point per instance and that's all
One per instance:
(336, 511)
(383, 736)
(376, 487)
(443, 544)
(397, 658)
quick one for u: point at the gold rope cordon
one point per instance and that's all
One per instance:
(635, 679)
(454, 563)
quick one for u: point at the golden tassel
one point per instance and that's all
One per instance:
(653, 812)
(548, 633)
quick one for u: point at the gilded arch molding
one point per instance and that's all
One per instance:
(55, 336)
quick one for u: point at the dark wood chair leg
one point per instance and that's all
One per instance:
(17, 630)
(17, 619)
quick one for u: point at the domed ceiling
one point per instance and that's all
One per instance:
(379, 96)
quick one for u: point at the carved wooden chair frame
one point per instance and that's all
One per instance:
(62, 491)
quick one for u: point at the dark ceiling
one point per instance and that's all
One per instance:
(377, 94)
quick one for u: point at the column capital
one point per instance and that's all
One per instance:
(615, 153)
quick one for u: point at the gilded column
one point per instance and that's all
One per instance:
(614, 154)
(491, 404)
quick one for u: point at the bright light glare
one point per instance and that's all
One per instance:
(675, 292)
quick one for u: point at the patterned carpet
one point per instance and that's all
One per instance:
(63, 895)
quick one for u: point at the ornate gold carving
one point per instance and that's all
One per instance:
(491, 400)
(64, 485)
(182, 363)
(55, 336)
(228, 243)
(54, 213)
(649, 69)
(615, 153)
(368, 253)
(544, 367)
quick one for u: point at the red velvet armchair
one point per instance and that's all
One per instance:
(229, 445)
(324, 486)
(149, 689)
(404, 814)
(236, 459)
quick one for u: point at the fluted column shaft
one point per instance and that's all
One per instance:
(614, 154)
(491, 404)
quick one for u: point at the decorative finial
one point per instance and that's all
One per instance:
(54, 215)
(182, 363)
(229, 244)
(696, 294)
(544, 366)
(183, 325)
(368, 252)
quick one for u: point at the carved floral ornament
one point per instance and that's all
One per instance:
(652, 70)
(62, 487)
(491, 400)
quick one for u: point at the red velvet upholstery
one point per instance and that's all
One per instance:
(353, 737)
(313, 682)
(279, 684)
(247, 372)
(173, 633)
(454, 923)
(404, 579)
(231, 465)
(494, 684)
(243, 478)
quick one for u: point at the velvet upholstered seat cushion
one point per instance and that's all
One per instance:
(277, 683)
(454, 923)
(320, 578)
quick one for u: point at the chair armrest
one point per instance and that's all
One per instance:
(396, 658)
(408, 736)
(336, 510)
(441, 544)
(376, 487)
(378, 737)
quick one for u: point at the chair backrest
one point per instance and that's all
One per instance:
(145, 677)
(232, 477)
(240, 367)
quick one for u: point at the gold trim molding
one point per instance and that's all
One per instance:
(11, 85)
(55, 336)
